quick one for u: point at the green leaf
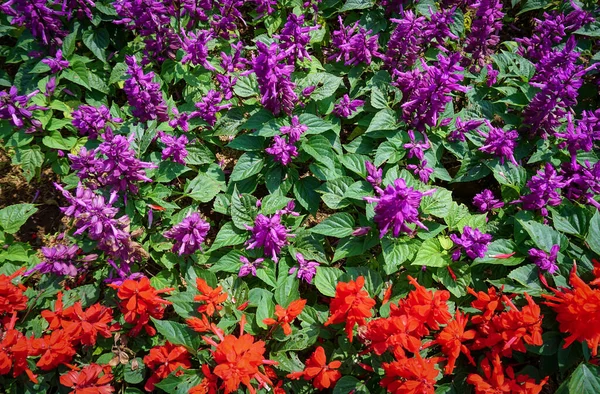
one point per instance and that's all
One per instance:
(168, 170)
(31, 161)
(590, 30)
(315, 124)
(584, 380)
(77, 73)
(97, 41)
(249, 164)
(356, 5)
(349, 384)
(68, 45)
(287, 290)
(229, 235)
(320, 149)
(243, 209)
(593, 235)
(385, 119)
(527, 276)
(543, 235)
(431, 254)
(395, 253)
(326, 280)
(354, 246)
(305, 192)
(500, 247)
(437, 204)
(180, 384)
(387, 151)
(204, 188)
(178, 334)
(56, 141)
(338, 225)
(134, 376)
(570, 219)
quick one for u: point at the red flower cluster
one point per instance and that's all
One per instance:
(14, 350)
(286, 315)
(92, 379)
(163, 360)
(497, 380)
(211, 298)
(322, 374)
(139, 302)
(12, 298)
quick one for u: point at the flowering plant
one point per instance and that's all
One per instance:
(347, 196)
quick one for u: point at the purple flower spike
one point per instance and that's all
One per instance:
(294, 131)
(57, 64)
(346, 107)
(416, 148)
(91, 121)
(360, 231)
(189, 234)
(472, 241)
(175, 147)
(484, 36)
(15, 108)
(269, 234)
(421, 170)
(406, 43)
(39, 18)
(374, 174)
(461, 128)
(249, 267)
(500, 143)
(397, 206)
(485, 201)
(546, 262)
(61, 260)
(195, 46)
(282, 151)
(144, 95)
(294, 38)
(306, 270)
(543, 190)
(209, 106)
(354, 44)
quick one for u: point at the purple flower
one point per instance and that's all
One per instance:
(500, 143)
(269, 234)
(91, 121)
(15, 108)
(249, 267)
(583, 182)
(209, 106)
(274, 79)
(472, 241)
(437, 29)
(144, 95)
(61, 260)
(195, 46)
(360, 231)
(580, 137)
(57, 64)
(461, 128)
(307, 91)
(235, 61)
(294, 38)
(485, 201)
(87, 165)
(406, 43)
(175, 147)
(421, 170)
(397, 206)
(306, 270)
(543, 190)
(42, 21)
(294, 131)
(545, 262)
(79, 7)
(374, 175)
(223, 21)
(50, 87)
(416, 148)
(121, 273)
(485, 28)
(354, 44)
(265, 7)
(282, 151)
(180, 119)
(189, 234)
(226, 83)
(346, 107)
(491, 75)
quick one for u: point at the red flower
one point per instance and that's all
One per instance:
(578, 312)
(208, 384)
(487, 303)
(88, 380)
(55, 349)
(410, 375)
(351, 305)
(139, 302)
(323, 375)
(163, 360)
(286, 315)
(494, 380)
(12, 298)
(397, 333)
(200, 325)
(211, 298)
(54, 318)
(429, 308)
(84, 326)
(14, 350)
(451, 340)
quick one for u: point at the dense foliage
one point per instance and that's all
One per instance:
(298, 196)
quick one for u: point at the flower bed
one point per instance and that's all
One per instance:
(294, 196)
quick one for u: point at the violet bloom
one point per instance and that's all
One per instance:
(270, 234)
(294, 131)
(491, 75)
(87, 165)
(543, 190)
(223, 21)
(236, 61)
(180, 119)
(39, 18)
(57, 63)
(195, 46)
(397, 206)
(437, 29)
(545, 262)
(144, 95)
(583, 182)
(50, 87)
(354, 44)
(421, 170)
(485, 28)
(80, 8)
(209, 106)
(472, 241)
(294, 38)
(189, 234)
(307, 91)
(274, 79)
(91, 121)
(282, 151)
(175, 147)
(347, 107)
(61, 260)
(374, 174)
(406, 42)
(500, 143)
(360, 231)
(15, 108)
(226, 84)
(580, 136)
(121, 273)
(461, 128)
(485, 201)
(265, 7)
(416, 148)
(306, 270)
(249, 267)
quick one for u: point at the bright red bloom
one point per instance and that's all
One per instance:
(55, 349)
(452, 339)
(84, 326)
(489, 303)
(323, 375)
(495, 381)
(14, 350)
(397, 333)
(428, 307)
(351, 305)
(163, 360)
(211, 298)
(88, 380)
(208, 385)
(410, 375)
(139, 302)
(200, 325)
(286, 315)
(54, 318)
(578, 312)
(596, 272)
(12, 298)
